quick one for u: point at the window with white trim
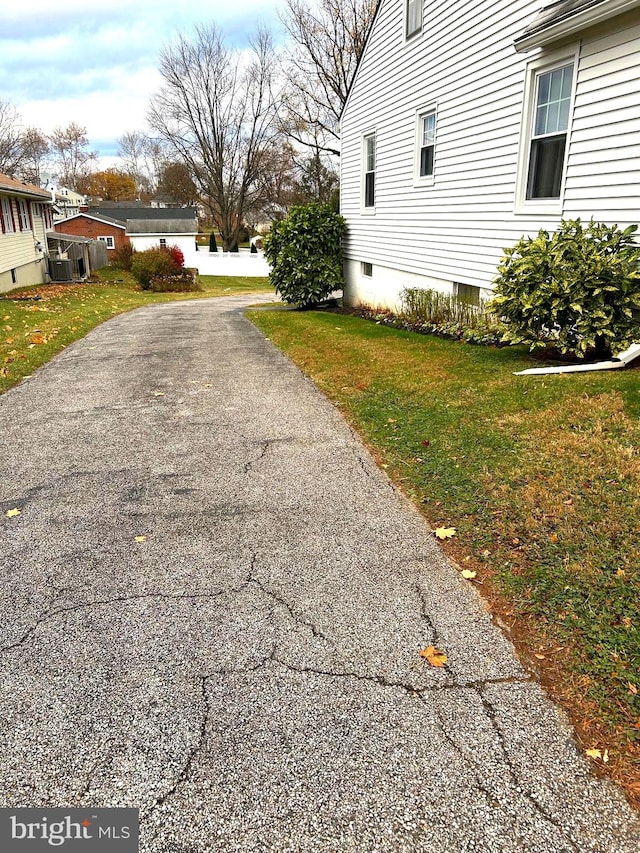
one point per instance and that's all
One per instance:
(23, 215)
(548, 140)
(426, 144)
(413, 17)
(109, 241)
(7, 217)
(369, 155)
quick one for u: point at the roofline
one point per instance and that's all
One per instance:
(40, 195)
(162, 233)
(364, 50)
(95, 219)
(573, 22)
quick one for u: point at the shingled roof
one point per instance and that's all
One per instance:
(16, 187)
(566, 16)
(162, 226)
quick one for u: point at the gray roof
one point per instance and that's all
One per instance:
(557, 12)
(122, 214)
(162, 226)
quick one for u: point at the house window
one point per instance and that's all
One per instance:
(370, 170)
(163, 242)
(548, 140)
(367, 269)
(14, 277)
(109, 241)
(468, 293)
(23, 215)
(413, 14)
(7, 217)
(426, 143)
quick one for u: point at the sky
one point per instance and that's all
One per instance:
(95, 63)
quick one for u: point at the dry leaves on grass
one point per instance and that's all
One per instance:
(445, 532)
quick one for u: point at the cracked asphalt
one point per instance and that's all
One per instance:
(247, 674)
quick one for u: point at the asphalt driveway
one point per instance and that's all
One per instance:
(212, 607)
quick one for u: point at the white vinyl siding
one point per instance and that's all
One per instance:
(455, 229)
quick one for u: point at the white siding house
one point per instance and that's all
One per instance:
(25, 217)
(471, 124)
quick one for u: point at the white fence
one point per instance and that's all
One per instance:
(227, 263)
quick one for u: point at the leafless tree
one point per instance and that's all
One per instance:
(328, 39)
(35, 150)
(143, 159)
(11, 152)
(217, 113)
(69, 149)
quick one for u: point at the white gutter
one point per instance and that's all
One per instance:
(571, 24)
(621, 360)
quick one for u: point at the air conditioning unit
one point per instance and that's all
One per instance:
(60, 270)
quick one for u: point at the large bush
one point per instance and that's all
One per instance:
(156, 262)
(305, 254)
(577, 289)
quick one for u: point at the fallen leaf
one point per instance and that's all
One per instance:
(141, 538)
(605, 756)
(633, 690)
(158, 393)
(594, 753)
(621, 573)
(540, 657)
(11, 513)
(425, 442)
(553, 538)
(433, 656)
(37, 339)
(445, 532)
(467, 574)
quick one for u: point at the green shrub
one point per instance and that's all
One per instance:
(577, 289)
(152, 263)
(305, 254)
(122, 257)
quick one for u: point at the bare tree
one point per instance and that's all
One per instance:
(10, 139)
(69, 147)
(327, 42)
(35, 149)
(217, 113)
(143, 158)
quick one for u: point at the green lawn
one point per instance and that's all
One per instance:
(33, 331)
(540, 476)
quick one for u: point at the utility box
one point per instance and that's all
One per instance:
(60, 270)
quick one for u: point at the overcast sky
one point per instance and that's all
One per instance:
(95, 62)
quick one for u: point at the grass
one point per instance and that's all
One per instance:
(540, 476)
(32, 332)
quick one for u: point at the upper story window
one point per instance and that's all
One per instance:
(6, 215)
(369, 154)
(413, 16)
(549, 133)
(23, 215)
(427, 143)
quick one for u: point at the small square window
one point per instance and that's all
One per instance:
(367, 269)
(110, 242)
(468, 293)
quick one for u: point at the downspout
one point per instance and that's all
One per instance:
(621, 360)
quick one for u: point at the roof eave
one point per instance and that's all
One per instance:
(573, 24)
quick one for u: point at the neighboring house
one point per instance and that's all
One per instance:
(25, 216)
(108, 230)
(471, 124)
(67, 202)
(145, 233)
